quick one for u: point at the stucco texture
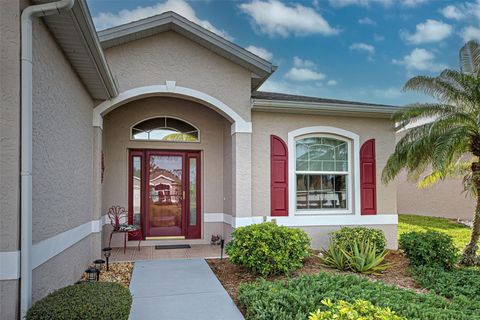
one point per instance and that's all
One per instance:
(266, 124)
(117, 142)
(170, 56)
(9, 124)
(62, 141)
(444, 199)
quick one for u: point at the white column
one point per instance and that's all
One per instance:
(242, 174)
(97, 190)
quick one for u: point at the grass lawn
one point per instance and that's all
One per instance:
(459, 233)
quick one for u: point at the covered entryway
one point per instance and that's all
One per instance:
(165, 193)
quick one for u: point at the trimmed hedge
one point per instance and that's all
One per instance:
(267, 248)
(294, 299)
(431, 248)
(86, 301)
(346, 236)
(450, 284)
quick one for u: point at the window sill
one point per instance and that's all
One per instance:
(322, 212)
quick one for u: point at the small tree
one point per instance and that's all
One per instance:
(448, 145)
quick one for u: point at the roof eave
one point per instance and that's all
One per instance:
(323, 108)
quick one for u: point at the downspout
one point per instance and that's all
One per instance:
(26, 143)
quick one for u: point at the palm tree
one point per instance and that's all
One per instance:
(448, 145)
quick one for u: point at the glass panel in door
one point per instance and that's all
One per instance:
(165, 195)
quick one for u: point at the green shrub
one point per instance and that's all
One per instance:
(96, 300)
(359, 256)
(268, 249)
(360, 309)
(429, 248)
(450, 284)
(295, 298)
(346, 236)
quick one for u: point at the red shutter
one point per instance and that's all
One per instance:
(278, 177)
(368, 188)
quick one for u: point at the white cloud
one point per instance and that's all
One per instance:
(300, 63)
(363, 47)
(332, 82)
(275, 18)
(304, 70)
(428, 31)
(387, 93)
(367, 21)
(470, 33)
(261, 52)
(461, 11)
(421, 60)
(107, 19)
(413, 3)
(378, 38)
(368, 3)
(363, 3)
(453, 12)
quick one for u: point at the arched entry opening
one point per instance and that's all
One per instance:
(188, 176)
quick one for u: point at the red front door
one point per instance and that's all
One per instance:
(169, 194)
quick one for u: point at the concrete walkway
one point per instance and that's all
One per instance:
(179, 289)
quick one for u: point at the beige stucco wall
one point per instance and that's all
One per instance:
(62, 155)
(62, 141)
(212, 126)
(170, 56)
(266, 124)
(444, 199)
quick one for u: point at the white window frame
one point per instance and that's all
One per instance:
(160, 140)
(353, 180)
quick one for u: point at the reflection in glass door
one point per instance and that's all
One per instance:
(165, 195)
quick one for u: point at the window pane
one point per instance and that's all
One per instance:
(137, 183)
(193, 191)
(317, 192)
(165, 129)
(321, 154)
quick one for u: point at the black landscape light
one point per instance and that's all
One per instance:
(107, 252)
(92, 274)
(99, 263)
(222, 245)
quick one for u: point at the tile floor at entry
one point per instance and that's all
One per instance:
(179, 289)
(150, 253)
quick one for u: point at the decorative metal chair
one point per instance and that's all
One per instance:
(117, 214)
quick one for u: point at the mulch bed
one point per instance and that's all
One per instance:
(231, 275)
(119, 272)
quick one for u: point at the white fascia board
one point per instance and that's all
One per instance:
(316, 107)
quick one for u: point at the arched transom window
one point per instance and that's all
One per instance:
(165, 129)
(322, 173)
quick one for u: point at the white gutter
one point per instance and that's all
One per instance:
(322, 107)
(26, 144)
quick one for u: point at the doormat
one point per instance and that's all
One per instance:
(173, 246)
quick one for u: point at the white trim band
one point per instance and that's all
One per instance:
(305, 221)
(46, 249)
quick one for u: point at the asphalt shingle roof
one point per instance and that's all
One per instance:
(297, 98)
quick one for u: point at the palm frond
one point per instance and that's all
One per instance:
(437, 87)
(418, 111)
(459, 169)
(470, 57)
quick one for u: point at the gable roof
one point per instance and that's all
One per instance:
(281, 102)
(261, 69)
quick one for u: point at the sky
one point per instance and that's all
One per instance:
(361, 50)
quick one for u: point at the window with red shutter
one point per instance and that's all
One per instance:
(368, 189)
(278, 177)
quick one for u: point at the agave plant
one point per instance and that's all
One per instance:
(364, 258)
(448, 143)
(334, 257)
